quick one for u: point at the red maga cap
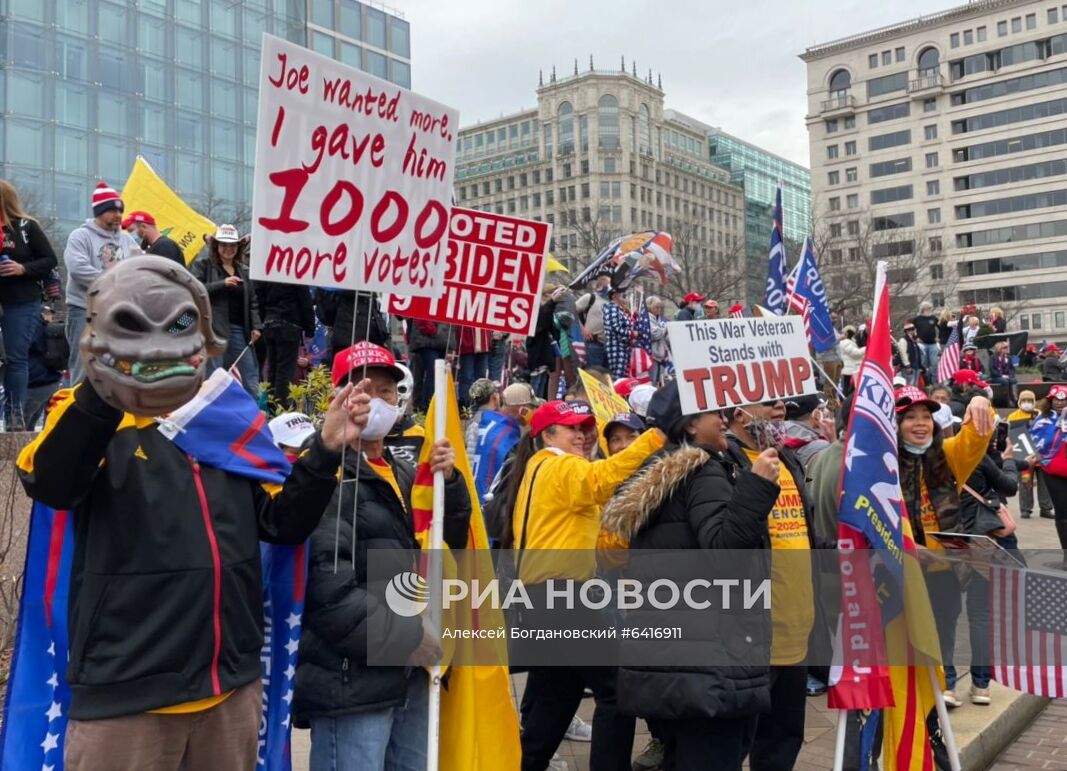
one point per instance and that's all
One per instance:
(560, 414)
(910, 396)
(364, 354)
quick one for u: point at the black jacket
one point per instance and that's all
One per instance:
(692, 498)
(995, 479)
(39, 373)
(25, 243)
(336, 310)
(1052, 371)
(286, 304)
(539, 351)
(166, 596)
(166, 247)
(926, 327)
(332, 677)
(213, 277)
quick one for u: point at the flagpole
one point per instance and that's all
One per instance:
(840, 393)
(839, 743)
(946, 726)
(435, 575)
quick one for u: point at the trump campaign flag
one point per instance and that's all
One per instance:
(497, 435)
(807, 296)
(774, 292)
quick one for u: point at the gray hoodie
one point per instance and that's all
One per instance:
(90, 249)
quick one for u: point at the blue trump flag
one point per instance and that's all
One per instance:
(774, 292)
(807, 295)
(497, 435)
(35, 707)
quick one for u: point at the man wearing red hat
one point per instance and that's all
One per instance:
(92, 247)
(143, 225)
(1052, 369)
(711, 309)
(690, 310)
(359, 714)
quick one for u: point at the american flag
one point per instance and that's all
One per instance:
(1029, 630)
(950, 357)
(737, 312)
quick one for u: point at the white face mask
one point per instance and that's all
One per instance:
(382, 417)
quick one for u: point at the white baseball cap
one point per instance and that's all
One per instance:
(943, 417)
(291, 429)
(640, 397)
(227, 234)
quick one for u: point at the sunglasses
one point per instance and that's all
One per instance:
(772, 403)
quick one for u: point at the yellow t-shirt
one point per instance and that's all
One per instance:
(186, 707)
(385, 471)
(792, 593)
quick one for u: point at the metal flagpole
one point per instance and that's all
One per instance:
(946, 726)
(840, 393)
(435, 571)
(839, 744)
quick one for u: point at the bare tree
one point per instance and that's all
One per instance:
(716, 272)
(219, 210)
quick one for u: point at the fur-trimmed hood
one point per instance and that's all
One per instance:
(628, 511)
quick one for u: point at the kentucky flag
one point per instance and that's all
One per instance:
(35, 707)
(774, 293)
(497, 435)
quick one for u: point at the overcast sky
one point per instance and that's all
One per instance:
(729, 63)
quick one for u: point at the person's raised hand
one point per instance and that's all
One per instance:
(767, 465)
(980, 413)
(346, 417)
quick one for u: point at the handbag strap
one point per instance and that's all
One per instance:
(526, 519)
(976, 496)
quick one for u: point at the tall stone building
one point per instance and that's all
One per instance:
(600, 157)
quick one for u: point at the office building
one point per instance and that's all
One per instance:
(760, 173)
(599, 157)
(87, 85)
(939, 144)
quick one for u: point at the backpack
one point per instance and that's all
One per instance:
(56, 348)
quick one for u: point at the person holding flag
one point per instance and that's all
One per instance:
(166, 596)
(360, 716)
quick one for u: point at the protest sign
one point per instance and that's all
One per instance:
(1021, 441)
(732, 362)
(145, 191)
(353, 177)
(602, 398)
(494, 271)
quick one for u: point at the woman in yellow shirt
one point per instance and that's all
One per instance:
(932, 474)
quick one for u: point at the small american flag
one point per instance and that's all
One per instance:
(1028, 620)
(737, 312)
(950, 357)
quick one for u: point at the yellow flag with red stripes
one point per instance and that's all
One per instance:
(479, 726)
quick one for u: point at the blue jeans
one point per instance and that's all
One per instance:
(75, 327)
(932, 354)
(37, 398)
(471, 367)
(424, 388)
(947, 601)
(247, 367)
(595, 356)
(19, 324)
(391, 739)
(496, 360)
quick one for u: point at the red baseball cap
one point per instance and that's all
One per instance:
(561, 414)
(624, 385)
(364, 354)
(1057, 392)
(711, 304)
(909, 396)
(965, 377)
(692, 297)
(138, 216)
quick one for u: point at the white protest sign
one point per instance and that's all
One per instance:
(353, 177)
(733, 362)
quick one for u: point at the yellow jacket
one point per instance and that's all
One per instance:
(1020, 415)
(565, 508)
(964, 452)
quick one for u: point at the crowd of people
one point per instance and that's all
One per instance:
(760, 476)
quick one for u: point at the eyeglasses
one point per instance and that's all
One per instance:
(773, 403)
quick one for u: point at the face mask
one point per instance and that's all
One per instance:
(766, 433)
(1026, 406)
(916, 449)
(382, 417)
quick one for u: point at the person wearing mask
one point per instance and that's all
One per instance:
(912, 358)
(26, 259)
(288, 317)
(618, 334)
(142, 226)
(235, 309)
(1048, 432)
(689, 496)
(1052, 368)
(933, 471)
(557, 503)
(92, 247)
(590, 309)
(926, 330)
(780, 731)
(990, 485)
(690, 310)
(852, 354)
(406, 437)
(1031, 478)
(361, 716)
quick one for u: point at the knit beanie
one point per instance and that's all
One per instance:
(105, 199)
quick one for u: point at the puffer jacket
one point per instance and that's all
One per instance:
(691, 498)
(332, 677)
(851, 356)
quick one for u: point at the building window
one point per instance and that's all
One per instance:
(835, 230)
(968, 37)
(935, 244)
(850, 122)
(887, 58)
(644, 134)
(609, 166)
(933, 187)
(872, 61)
(930, 132)
(833, 178)
(929, 61)
(835, 204)
(981, 34)
(1017, 24)
(850, 148)
(954, 40)
(851, 174)
(608, 120)
(937, 272)
(831, 126)
(1053, 17)
(853, 254)
(831, 152)
(1002, 28)
(1031, 21)
(933, 216)
(931, 160)
(853, 200)
(900, 54)
(565, 115)
(1035, 321)
(853, 228)
(835, 256)
(930, 105)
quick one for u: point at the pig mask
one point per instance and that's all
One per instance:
(148, 336)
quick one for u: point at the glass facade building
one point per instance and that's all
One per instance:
(87, 85)
(760, 174)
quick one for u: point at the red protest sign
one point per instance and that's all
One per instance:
(494, 271)
(353, 177)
